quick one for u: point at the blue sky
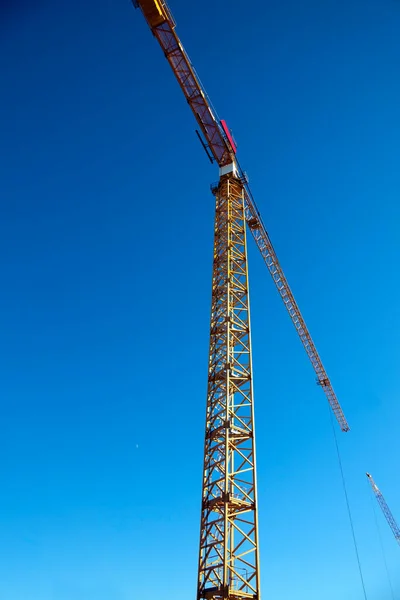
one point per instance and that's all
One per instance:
(105, 250)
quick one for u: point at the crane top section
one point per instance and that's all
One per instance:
(372, 482)
(219, 143)
(156, 12)
(220, 147)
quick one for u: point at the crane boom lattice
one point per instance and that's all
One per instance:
(385, 508)
(266, 248)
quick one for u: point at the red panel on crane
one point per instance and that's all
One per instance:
(228, 135)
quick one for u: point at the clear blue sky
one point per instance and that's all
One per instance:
(105, 250)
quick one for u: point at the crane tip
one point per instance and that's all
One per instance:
(368, 475)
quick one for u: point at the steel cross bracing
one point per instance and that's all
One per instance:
(228, 561)
(162, 24)
(385, 509)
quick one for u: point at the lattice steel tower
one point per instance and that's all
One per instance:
(228, 558)
(228, 564)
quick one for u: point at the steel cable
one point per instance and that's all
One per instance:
(348, 505)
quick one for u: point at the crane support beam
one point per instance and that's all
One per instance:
(228, 560)
(223, 150)
(385, 509)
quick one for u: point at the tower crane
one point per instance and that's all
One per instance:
(385, 509)
(228, 567)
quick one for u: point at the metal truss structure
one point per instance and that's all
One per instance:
(385, 508)
(228, 562)
(228, 558)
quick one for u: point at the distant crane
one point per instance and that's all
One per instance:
(228, 567)
(385, 509)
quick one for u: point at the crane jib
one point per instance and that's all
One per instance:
(385, 508)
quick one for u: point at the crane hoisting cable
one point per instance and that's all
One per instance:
(220, 146)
